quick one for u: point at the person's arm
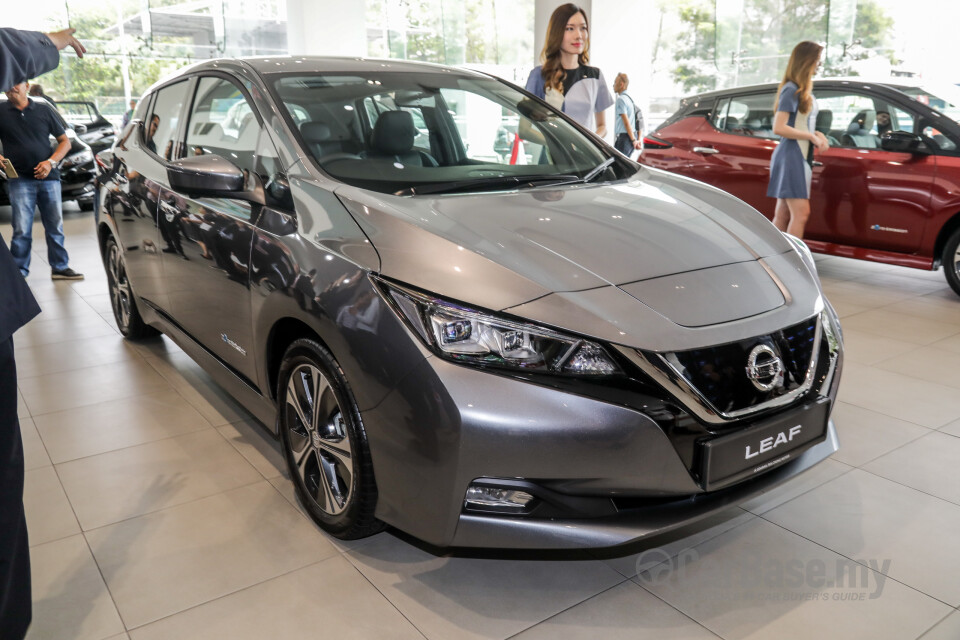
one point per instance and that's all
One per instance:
(781, 128)
(43, 169)
(601, 123)
(28, 54)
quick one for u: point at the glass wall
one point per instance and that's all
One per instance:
(133, 43)
(491, 35)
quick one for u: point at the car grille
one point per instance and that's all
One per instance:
(719, 373)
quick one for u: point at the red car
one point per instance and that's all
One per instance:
(887, 190)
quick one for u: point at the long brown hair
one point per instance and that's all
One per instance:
(552, 70)
(800, 69)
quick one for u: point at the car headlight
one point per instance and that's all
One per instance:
(804, 252)
(475, 337)
(831, 327)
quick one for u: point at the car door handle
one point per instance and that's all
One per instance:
(707, 151)
(816, 163)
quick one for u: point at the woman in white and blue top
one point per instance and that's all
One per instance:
(564, 80)
(795, 123)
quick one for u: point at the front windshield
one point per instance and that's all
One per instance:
(408, 133)
(943, 98)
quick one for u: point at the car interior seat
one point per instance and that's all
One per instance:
(320, 139)
(858, 132)
(825, 124)
(393, 136)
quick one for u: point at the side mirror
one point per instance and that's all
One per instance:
(903, 142)
(205, 176)
(278, 190)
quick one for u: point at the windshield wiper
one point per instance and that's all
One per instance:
(486, 183)
(598, 169)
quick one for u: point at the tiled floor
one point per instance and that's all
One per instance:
(158, 508)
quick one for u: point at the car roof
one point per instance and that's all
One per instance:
(864, 83)
(314, 64)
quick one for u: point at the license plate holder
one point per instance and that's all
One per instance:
(751, 451)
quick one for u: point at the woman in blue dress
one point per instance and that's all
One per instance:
(564, 79)
(795, 123)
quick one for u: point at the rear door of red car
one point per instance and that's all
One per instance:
(736, 146)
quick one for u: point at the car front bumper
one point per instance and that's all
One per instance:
(616, 475)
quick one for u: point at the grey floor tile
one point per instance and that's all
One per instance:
(448, 597)
(156, 347)
(49, 514)
(947, 629)
(122, 484)
(34, 452)
(863, 294)
(625, 612)
(930, 464)
(951, 344)
(894, 394)
(22, 409)
(70, 600)
(83, 387)
(117, 424)
(897, 326)
(864, 516)
(953, 428)
(165, 562)
(931, 308)
(867, 348)
(932, 364)
(199, 389)
(865, 435)
(75, 354)
(255, 443)
(760, 581)
(329, 599)
(41, 331)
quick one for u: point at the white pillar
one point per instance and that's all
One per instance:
(622, 33)
(327, 28)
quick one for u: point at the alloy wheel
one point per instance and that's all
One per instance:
(318, 440)
(120, 293)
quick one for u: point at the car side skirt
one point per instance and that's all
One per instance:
(872, 255)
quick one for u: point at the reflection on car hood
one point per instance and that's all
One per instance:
(499, 250)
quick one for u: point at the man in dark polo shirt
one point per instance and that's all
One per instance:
(25, 127)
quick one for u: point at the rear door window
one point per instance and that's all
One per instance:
(750, 115)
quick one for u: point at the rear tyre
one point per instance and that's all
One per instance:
(951, 261)
(324, 442)
(85, 205)
(122, 299)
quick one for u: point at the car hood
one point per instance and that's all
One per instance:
(686, 251)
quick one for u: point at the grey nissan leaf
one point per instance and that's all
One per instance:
(484, 339)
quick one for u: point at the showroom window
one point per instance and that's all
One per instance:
(166, 115)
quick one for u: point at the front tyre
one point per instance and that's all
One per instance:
(324, 442)
(951, 261)
(122, 299)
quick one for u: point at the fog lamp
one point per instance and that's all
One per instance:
(493, 499)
